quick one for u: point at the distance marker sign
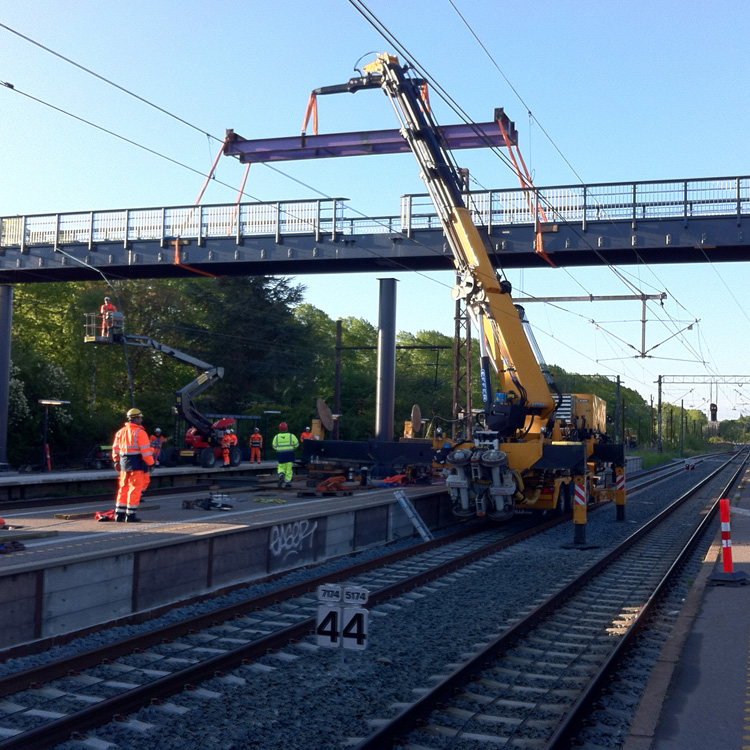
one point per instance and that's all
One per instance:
(340, 622)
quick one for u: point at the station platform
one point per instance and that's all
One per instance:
(698, 697)
(76, 573)
(24, 486)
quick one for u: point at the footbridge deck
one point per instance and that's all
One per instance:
(670, 221)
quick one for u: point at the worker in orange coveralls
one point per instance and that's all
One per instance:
(105, 311)
(132, 456)
(256, 444)
(157, 440)
(227, 441)
(306, 435)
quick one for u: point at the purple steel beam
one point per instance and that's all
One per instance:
(478, 135)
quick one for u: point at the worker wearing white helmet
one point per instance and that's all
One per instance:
(228, 440)
(157, 440)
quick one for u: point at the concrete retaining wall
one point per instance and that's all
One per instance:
(633, 464)
(83, 594)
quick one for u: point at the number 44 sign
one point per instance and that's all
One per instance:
(341, 622)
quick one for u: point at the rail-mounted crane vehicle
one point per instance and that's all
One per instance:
(203, 437)
(531, 447)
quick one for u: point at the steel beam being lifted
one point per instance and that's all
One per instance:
(476, 135)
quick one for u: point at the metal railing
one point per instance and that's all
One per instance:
(572, 204)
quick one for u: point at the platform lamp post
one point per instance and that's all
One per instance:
(265, 437)
(46, 403)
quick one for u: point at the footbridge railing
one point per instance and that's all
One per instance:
(329, 218)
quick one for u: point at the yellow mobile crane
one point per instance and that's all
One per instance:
(529, 446)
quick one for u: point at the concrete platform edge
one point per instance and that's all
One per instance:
(646, 719)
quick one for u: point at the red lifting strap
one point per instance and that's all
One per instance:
(197, 201)
(525, 179)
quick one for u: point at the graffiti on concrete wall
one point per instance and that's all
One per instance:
(292, 543)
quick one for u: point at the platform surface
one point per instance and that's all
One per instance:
(61, 533)
(698, 697)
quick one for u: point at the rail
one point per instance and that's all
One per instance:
(572, 204)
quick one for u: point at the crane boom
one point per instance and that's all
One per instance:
(531, 446)
(488, 299)
(208, 375)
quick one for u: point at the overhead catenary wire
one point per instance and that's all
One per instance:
(361, 7)
(405, 267)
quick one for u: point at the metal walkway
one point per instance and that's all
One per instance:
(671, 221)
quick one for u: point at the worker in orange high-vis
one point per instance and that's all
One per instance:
(157, 440)
(256, 444)
(106, 311)
(133, 457)
(306, 435)
(228, 440)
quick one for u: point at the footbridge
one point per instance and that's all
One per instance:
(666, 221)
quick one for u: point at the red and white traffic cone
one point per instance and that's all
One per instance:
(727, 577)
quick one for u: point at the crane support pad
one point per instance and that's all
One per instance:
(614, 452)
(572, 457)
(477, 135)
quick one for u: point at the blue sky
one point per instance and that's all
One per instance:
(637, 91)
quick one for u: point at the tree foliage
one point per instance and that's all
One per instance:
(278, 354)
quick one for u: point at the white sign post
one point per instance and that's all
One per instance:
(341, 620)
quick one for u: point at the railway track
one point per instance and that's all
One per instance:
(148, 669)
(196, 648)
(534, 684)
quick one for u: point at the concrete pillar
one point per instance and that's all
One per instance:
(6, 318)
(386, 384)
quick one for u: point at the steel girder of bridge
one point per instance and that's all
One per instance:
(678, 221)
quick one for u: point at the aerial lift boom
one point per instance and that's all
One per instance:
(203, 433)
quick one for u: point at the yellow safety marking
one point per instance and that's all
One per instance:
(746, 727)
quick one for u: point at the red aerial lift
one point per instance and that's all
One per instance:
(203, 437)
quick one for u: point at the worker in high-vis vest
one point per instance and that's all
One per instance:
(132, 456)
(284, 444)
(256, 444)
(228, 441)
(106, 311)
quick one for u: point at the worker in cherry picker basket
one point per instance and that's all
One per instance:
(106, 311)
(133, 457)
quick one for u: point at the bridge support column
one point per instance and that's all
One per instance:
(386, 383)
(6, 317)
